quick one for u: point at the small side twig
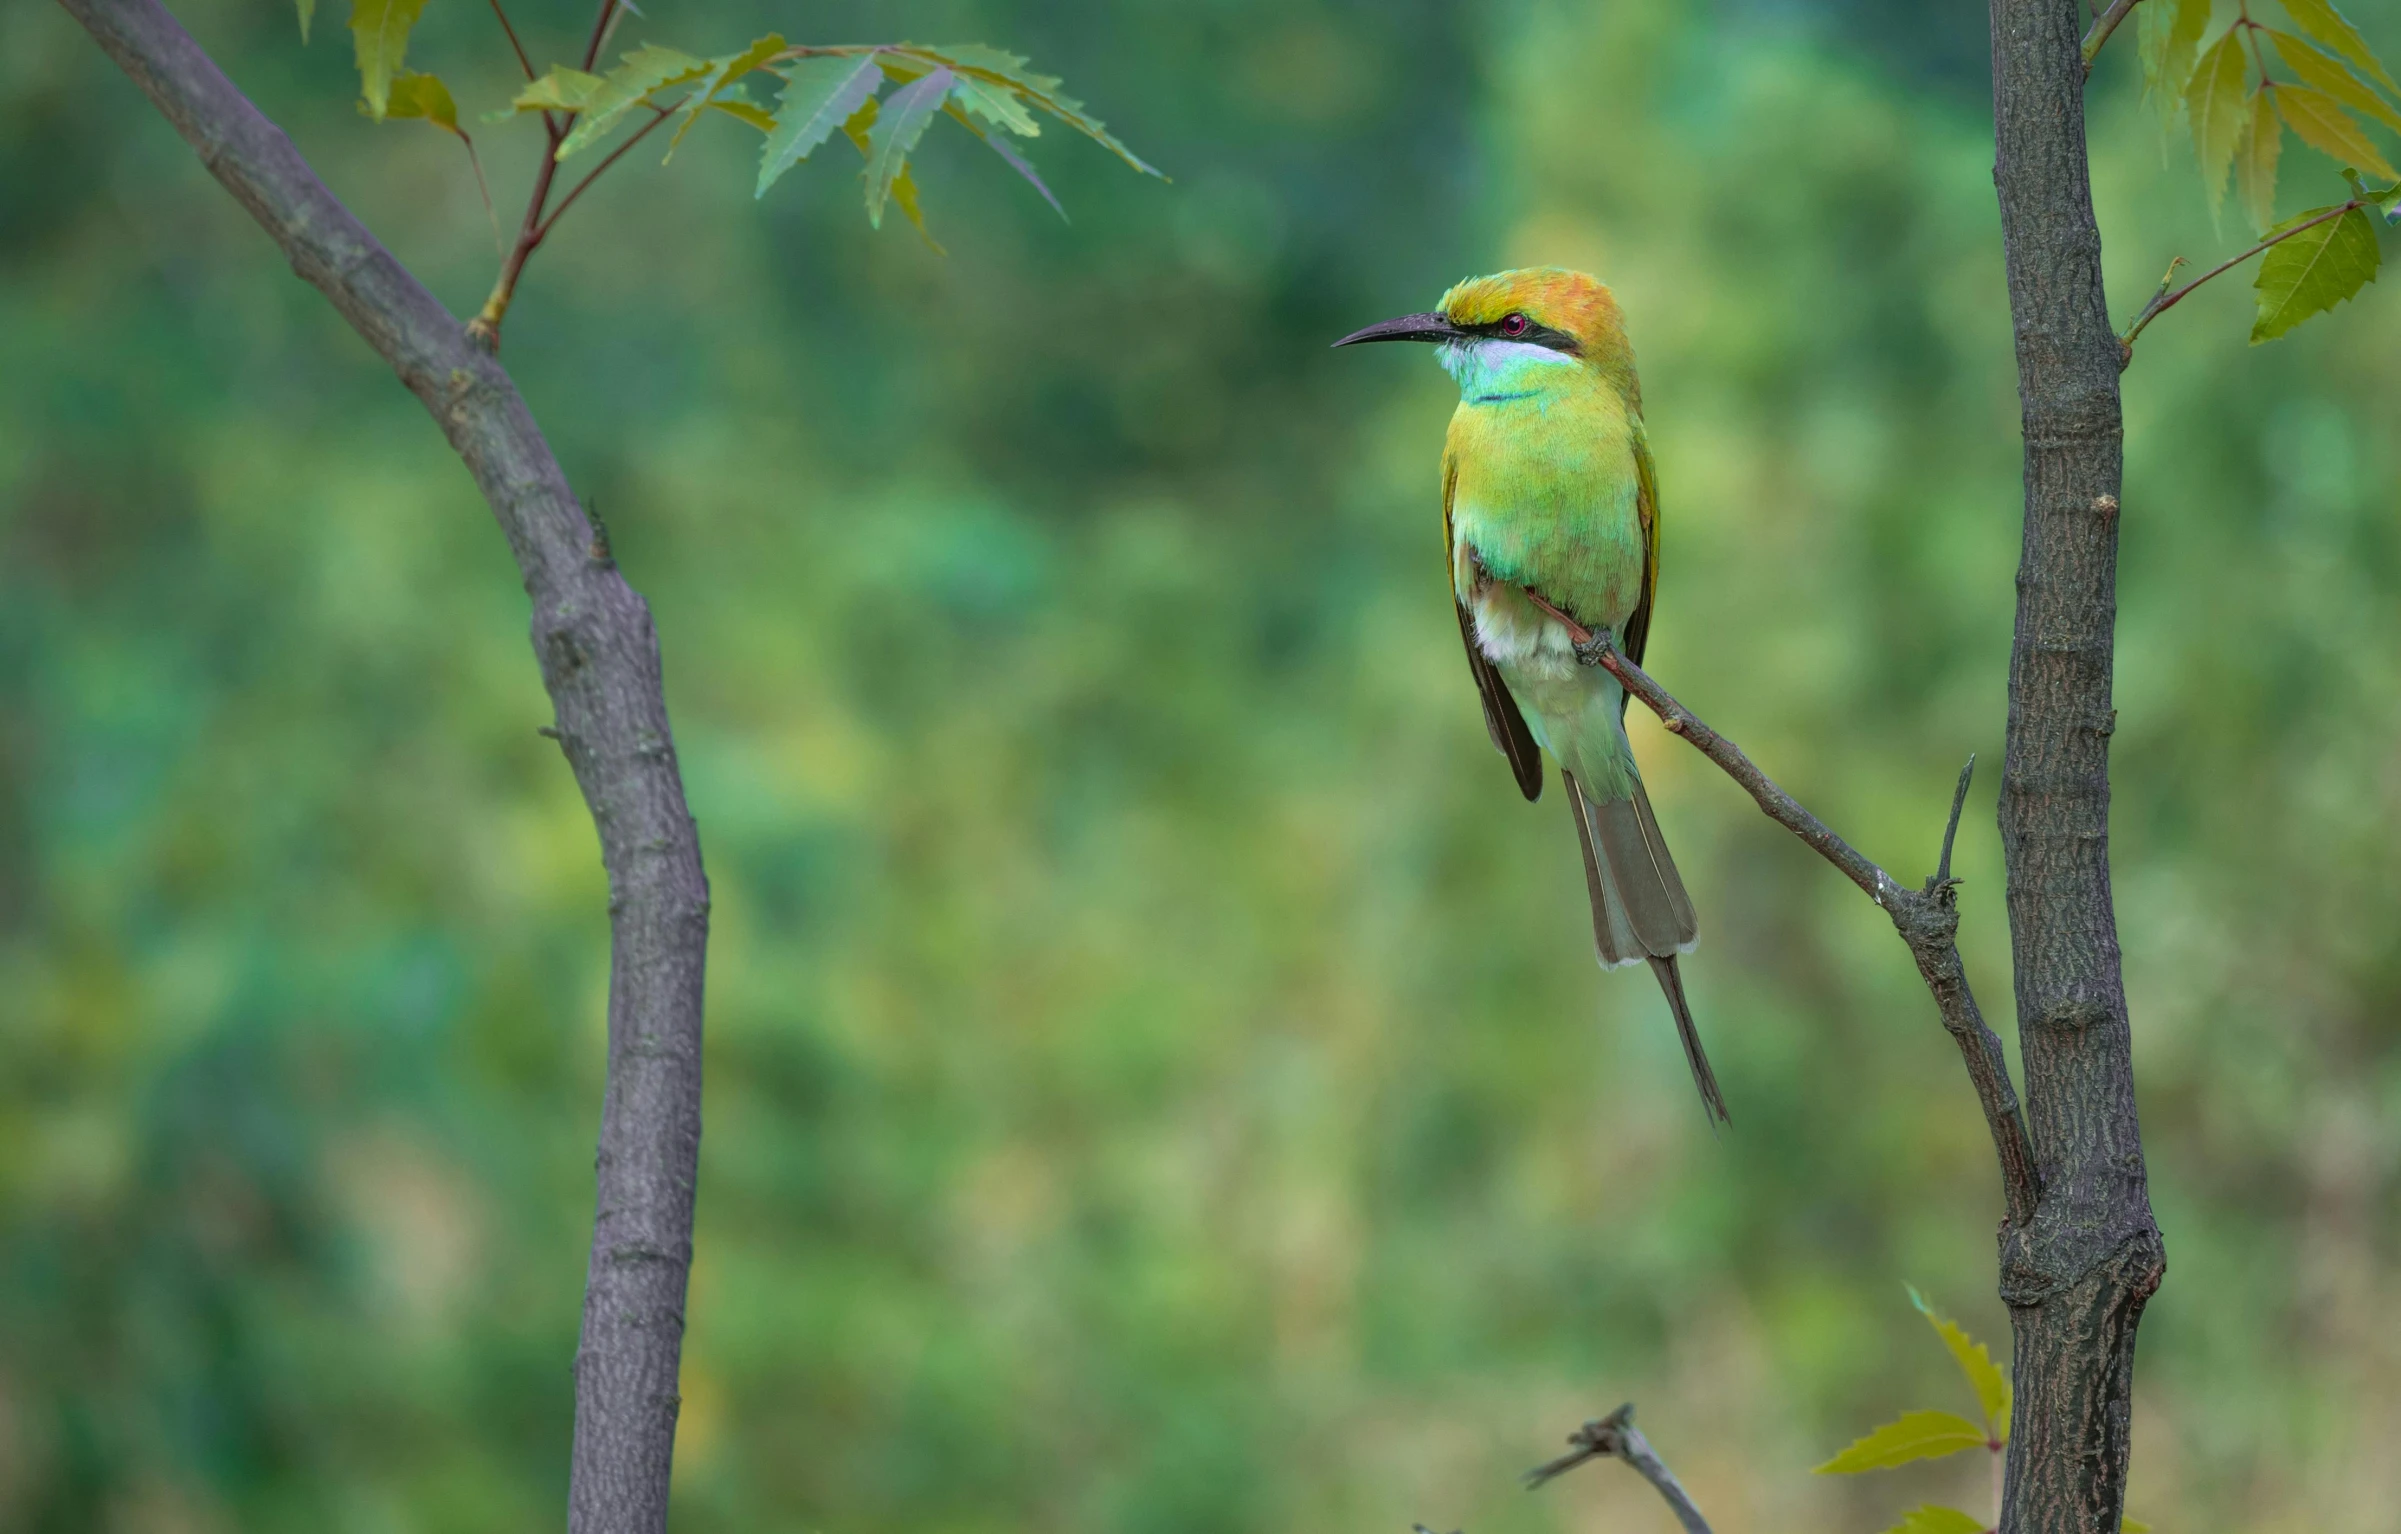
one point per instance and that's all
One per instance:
(2167, 298)
(1927, 919)
(1616, 1437)
(1950, 830)
(2105, 24)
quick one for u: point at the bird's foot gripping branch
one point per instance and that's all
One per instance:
(1926, 916)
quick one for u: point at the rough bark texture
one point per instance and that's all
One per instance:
(2077, 1274)
(600, 661)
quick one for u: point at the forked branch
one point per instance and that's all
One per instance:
(1927, 917)
(1616, 1437)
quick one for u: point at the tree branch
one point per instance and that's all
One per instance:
(1616, 1437)
(1927, 919)
(599, 657)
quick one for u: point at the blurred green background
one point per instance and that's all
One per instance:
(1157, 1079)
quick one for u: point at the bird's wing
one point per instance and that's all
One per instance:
(1501, 719)
(1646, 507)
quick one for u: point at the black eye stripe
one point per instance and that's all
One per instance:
(1535, 334)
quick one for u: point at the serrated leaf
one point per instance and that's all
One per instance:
(380, 29)
(2313, 270)
(1912, 1435)
(818, 97)
(2255, 160)
(1008, 152)
(1937, 1520)
(1042, 90)
(2170, 33)
(996, 103)
(561, 90)
(859, 125)
(744, 110)
(647, 69)
(1983, 1376)
(896, 133)
(722, 71)
(415, 95)
(2328, 129)
(904, 196)
(2327, 75)
(2322, 21)
(308, 13)
(2213, 100)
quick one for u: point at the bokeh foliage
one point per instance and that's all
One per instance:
(1157, 1080)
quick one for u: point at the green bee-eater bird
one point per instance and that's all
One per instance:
(1547, 487)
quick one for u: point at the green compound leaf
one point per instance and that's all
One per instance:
(1983, 1376)
(2329, 129)
(818, 97)
(1937, 1520)
(1912, 1435)
(2213, 100)
(2255, 160)
(381, 31)
(738, 106)
(974, 59)
(896, 133)
(858, 125)
(561, 90)
(2326, 75)
(904, 197)
(648, 68)
(425, 96)
(2322, 21)
(2313, 270)
(1007, 151)
(997, 104)
(2170, 33)
(722, 71)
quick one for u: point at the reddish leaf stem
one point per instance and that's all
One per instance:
(484, 329)
(600, 33)
(614, 155)
(524, 62)
(2165, 299)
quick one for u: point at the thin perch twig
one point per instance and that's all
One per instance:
(1616, 1437)
(1927, 918)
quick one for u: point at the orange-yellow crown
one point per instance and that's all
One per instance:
(1573, 302)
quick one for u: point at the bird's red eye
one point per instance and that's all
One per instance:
(1515, 325)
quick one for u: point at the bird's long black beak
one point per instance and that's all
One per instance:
(1409, 327)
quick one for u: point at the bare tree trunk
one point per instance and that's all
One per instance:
(2075, 1276)
(600, 661)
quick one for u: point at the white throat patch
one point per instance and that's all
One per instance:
(1490, 371)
